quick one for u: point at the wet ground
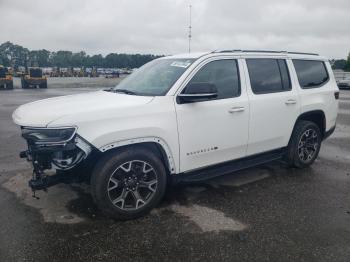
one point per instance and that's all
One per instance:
(268, 213)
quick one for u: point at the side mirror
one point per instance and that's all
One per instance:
(196, 92)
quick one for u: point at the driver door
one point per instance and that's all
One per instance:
(214, 130)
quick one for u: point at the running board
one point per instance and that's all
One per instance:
(229, 167)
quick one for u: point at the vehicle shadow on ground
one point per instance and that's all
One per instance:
(202, 197)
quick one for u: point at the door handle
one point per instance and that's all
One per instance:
(291, 102)
(236, 109)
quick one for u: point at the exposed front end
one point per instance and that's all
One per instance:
(53, 148)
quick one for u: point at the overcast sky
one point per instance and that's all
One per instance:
(161, 26)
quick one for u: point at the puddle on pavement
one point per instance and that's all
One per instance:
(242, 178)
(70, 204)
(344, 111)
(51, 204)
(341, 131)
(334, 152)
(208, 219)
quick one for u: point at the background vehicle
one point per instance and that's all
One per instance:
(34, 79)
(344, 83)
(183, 118)
(6, 81)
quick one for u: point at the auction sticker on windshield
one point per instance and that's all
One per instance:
(183, 64)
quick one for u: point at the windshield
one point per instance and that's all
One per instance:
(154, 78)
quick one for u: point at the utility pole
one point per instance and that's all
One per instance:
(190, 30)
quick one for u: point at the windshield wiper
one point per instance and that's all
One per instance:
(120, 90)
(125, 91)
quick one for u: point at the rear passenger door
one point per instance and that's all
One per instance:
(274, 103)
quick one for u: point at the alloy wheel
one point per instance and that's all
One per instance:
(308, 145)
(132, 185)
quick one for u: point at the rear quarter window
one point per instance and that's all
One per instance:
(311, 74)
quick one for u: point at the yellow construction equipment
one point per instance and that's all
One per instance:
(34, 79)
(6, 80)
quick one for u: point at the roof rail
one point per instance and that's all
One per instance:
(263, 51)
(227, 51)
(302, 53)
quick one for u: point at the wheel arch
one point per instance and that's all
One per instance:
(155, 144)
(316, 116)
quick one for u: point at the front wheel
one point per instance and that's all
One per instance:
(304, 144)
(127, 184)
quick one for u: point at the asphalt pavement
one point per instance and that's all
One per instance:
(267, 213)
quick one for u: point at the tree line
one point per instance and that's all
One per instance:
(16, 55)
(341, 64)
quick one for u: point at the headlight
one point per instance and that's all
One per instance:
(48, 135)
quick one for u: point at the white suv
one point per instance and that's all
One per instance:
(182, 118)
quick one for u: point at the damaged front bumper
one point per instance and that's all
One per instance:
(53, 148)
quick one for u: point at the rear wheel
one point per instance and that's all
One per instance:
(129, 183)
(304, 145)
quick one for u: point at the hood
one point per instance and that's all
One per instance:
(41, 113)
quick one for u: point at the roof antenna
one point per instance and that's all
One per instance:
(190, 30)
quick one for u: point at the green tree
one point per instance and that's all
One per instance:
(78, 59)
(15, 55)
(95, 61)
(347, 66)
(40, 58)
(62, 58)
(339, 64)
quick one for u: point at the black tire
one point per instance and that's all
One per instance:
(43, 85)
(112, 163)
(296, 154)
(9, 86)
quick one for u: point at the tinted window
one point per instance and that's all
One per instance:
(284, 74)
(223, 74)
(310, 73)
(268, 75)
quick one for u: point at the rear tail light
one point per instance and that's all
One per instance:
(336, 95)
